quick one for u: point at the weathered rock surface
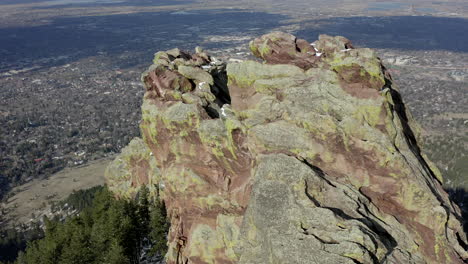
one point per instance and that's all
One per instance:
(310, 157)
(134, 167)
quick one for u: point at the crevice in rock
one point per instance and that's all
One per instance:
(461, 242)
(311, 198)
(307, 233)
(317, 170)
(374, 258)
(354, 260)
(372, 238)
(410, 138)
(192, 83)
(304, 230)
(179, 254)
(213, 113)
(388, 81)
(323, 241)
(388, 241)
(297, 47)
(220, 87)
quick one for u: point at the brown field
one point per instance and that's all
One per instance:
(36, 196)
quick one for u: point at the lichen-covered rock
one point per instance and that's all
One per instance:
(330, 45)
(134, 166)
(305, 159)
(280, 47)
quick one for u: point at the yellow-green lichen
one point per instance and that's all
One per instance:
(358, 257)
(160, 56)
(319, 126)
(230, 233)
(365, 59)
(253, 48)
(265, 48)
(185, 180)
(433, 168)
(205, 244)
(246, 73)
(369, 113)
(181, 115)
(214, 201)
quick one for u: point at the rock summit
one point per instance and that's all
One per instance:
(307, 155)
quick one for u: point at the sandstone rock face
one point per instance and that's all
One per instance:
(310, 157)
(134, 167)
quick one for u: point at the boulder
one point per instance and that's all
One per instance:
(284, 48)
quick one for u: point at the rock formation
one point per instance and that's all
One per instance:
(307, 157)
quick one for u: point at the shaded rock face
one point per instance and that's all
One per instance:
(310, 157)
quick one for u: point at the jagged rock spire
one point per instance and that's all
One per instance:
(311, 157)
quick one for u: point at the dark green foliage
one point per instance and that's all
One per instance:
(143, 210)
(110, 231)
(81, 199)
(158, 228)
(12, 241)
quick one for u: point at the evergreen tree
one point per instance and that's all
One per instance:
(159, 227)
(116, 255)
(143, 210)
(110, 231)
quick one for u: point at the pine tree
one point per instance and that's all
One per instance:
(116, 255)
(110, 231)
(143, 210)
(159, 227)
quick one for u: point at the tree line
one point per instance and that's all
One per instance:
(108, 231)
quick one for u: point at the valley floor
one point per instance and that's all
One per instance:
(34, 199)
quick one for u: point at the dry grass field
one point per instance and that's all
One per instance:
(37, 196)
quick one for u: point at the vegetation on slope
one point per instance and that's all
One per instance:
(108, 231)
